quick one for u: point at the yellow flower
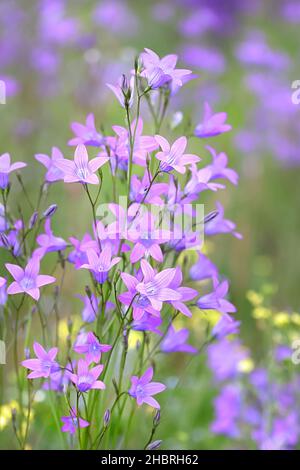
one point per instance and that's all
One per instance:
(261, 313)
(134, 337)
(246, 366)
(281, 319)
(254, 298)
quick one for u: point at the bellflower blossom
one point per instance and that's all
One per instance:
(187, 293)
(88, 344)
(212, 124)
(86, 379)
(53, 172)
(101, 264)
(218, 167)
(81, 170)
(91, 306)
(72, 422)
(216, 299)
(220, 225)
(78, 256)
(6, 168)
(142, 389)
(175, 341)
(160, 71)
(173, 157)
(203, 269)
(49, 242)
(86, 134)
(44, 364)
(28, 280)
(143, 190)
(155, 286)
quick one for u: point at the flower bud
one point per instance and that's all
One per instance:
(50, 211)
(106, 417)
(154, 445)
(33, 220)
(209, 217)
(5, 241)
(156, 418)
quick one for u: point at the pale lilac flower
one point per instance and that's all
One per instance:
(218, 167)
(78, 256)
(6, 168)
(86, 134)
(86, 379)
(81, 170)
(160, 71)
(91, 306)
(173, 157)
(28, 280)
(44, 365)
(155, 286)
(53, 172)
(49, 242)
(215, 300)
(72, 422)
(124, 91)
(220, 225)
(225, 326)
(140, 188)
(175, 341)
(203, 269)
(141, 305)
(147, 322)
(186, 293)
(88, 344)
(212, 124)
(142, 389)
(101, 264)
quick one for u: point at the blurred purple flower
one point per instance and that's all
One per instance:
(173, 157)
(175, 341)
(86, 134)
(6, 168)
(212, 124)
(53, 172)
(142, 389)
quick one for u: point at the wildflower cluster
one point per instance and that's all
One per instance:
(139, 274)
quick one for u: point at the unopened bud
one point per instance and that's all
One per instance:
(33, 220)
(5, 241)
(88, 292)
(209, 217)
(154, 445)
(106, 417)
(50, 211)
(27, 353)
(156, 418)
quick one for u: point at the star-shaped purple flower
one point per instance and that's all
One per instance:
(44, 364)
(173, 157)
(28, 280)
(155, 286)
(81, 170)
(212, 124)
(175, 341)
(6, 168)
(53, 172)
(88, 344)
(72, 422)
(100, 265)
(142, 389)
(215, 300)
(49, 242)
(86, 134)
(86, 379)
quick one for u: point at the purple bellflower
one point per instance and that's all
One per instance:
(220, 225)
(44, 364)
(86, 134)
(158, 71)
(72, 422)
(88, 344)
(218, 167)
(155, 286)
(28, 280)
(142, 389)
(6, 168)
(86, 379)
(216, 300)
(187, 293)
(212, 124)
(91, 306)
(100, 265)
(203, 269)
(78, 256)
(173, 157)
(175, 341)
(49, 242)
(81, 170)
(53, 172)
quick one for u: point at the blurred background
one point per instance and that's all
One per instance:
(56, 57)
